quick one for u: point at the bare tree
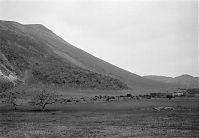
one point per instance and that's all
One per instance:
(43, 97)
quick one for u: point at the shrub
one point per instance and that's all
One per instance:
(129, 95)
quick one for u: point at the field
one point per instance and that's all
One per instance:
(136, 118)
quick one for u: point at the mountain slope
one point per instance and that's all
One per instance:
(27, 48)
(50, 59)
(185, 81)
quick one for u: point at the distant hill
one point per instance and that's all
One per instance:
(186, 81)
(33, 53)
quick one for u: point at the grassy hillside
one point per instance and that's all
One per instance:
(58, 73)
(36, 48)
(23, 51)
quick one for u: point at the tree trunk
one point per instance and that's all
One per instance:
(43, 106)
(15, 106)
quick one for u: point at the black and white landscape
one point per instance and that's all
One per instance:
(51, 88)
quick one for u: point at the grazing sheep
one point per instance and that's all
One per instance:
(163, 108)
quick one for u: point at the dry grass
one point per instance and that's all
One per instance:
(115, 119)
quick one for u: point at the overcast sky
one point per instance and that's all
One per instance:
(146, 37)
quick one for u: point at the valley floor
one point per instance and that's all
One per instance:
(136, 118)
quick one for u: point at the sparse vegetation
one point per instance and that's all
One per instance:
(42, 98)
(25, 53)
(4, 85)
(121, 119)
(129, 95)
(58, 73)
(11, 98)
(52, 70)
(169, 96)
(11, 95)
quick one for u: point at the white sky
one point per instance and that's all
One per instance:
(146, 37)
